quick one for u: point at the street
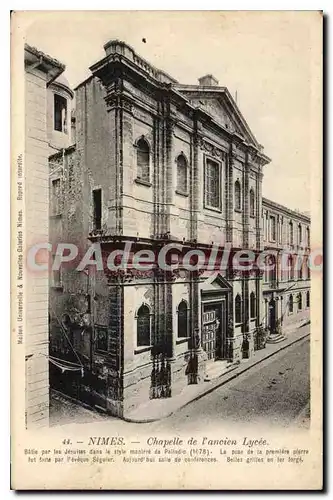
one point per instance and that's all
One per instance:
(274, 392)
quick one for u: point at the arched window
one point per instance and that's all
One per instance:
(291, 233)
(142, 160)
(299, 234)
(238, 309)
(252, 201)
(143, 326)
(252, 305)
(299, 301)
(183, 319)
(237, 195)
(291, 304)
(181, 174)
(308, 299)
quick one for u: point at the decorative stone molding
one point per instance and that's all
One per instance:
(211, 149)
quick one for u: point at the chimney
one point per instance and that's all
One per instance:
(208, 81)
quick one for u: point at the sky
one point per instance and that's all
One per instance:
(271, 59)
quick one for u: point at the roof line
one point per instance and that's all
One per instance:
(47, 58)
(225, 91)
(286, 209)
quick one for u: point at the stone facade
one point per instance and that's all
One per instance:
(286, 289)
(40, 71)
(155, 163)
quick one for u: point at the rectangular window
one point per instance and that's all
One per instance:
(291, 233)
(299, 234)
(281, 231)
(272, 228)
(97, 200)
(55, 197)
(60, 113)
(213, 184)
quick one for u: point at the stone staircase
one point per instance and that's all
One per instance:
(275, 338)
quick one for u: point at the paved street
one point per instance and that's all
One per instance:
(275, 392)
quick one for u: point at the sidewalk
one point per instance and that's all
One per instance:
(156, 409)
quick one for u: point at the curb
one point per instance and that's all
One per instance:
(216, 386)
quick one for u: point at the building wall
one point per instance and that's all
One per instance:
(113, 111)
(288, 284)
(36, 230)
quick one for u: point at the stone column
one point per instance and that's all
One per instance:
(115, 359)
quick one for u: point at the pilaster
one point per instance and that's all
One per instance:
(230, 194)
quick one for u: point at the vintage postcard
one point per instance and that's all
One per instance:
(166, 250)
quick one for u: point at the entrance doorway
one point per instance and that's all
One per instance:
(214, 329)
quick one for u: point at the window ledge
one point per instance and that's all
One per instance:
(182, 340)
(142, 182)
(239, 210)
(60, 288)
(213, 209)
(144, 348)
(56, 216)
(252, 216)
(181, 193)
(238, 324)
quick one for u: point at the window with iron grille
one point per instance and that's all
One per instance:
(181, 174)
(238, 199)
(238, 309)
(143, 159)
(212, 184)
(299, 300)
(291, 304)
(183, 319)
(252, 305)
(252, 203)
(143, 326)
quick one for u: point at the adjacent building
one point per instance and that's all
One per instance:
(40, 71)
(286, 286)
(158, 165)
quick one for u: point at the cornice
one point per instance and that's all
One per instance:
(269, 204)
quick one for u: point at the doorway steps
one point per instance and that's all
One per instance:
(275, 339)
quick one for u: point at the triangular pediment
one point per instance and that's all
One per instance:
(215, 283)
(222, 108)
